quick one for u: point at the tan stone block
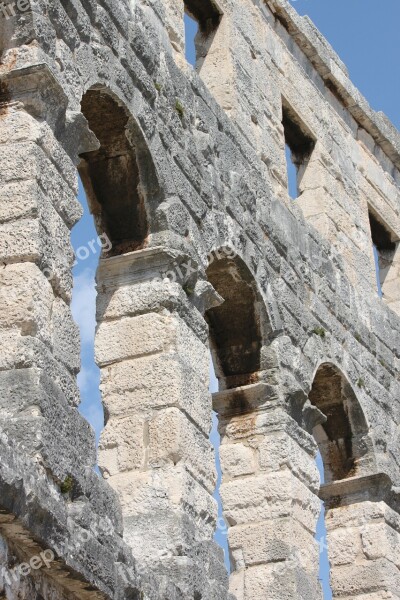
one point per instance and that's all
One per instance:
(20, 241)
(167, 489)
(150, 334)
(356, 515)
(279, 451)
(131, 337)
(19, 126)
(122, 445)
(26, 300)
(273, 541)
(269, 582)
(173, 438)
(269, 496)
(381, 541)
(157, 381)
(344, 546)
(236, 584)
(237, 460)
(18, 199)
(373, 576)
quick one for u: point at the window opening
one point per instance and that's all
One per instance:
(299, 145)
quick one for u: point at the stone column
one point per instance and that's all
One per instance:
(363, 538)
(152, 348)
(269, 492)
(40, 354)
(390, 270)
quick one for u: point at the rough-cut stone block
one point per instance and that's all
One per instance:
(344, 546)
(151, 334)
(26, 300)
(278, 451)
(269, 497)
(131, 337)
(174, 439)
(373, 576)
(237, 460)
(274, 541)
(156, 382)
(164, 490)
(381, 541)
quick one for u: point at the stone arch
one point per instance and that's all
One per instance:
(240, 325)
(341, 430)
(119, 177)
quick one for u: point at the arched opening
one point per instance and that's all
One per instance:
(117, 188)
(113, 174)
(386, 257)
(202, 18)
(299, 146)
(236, 326)
(341, 437)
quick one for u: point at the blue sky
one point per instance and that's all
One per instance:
(365, 33)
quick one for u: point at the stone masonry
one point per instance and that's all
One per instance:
(185, 172)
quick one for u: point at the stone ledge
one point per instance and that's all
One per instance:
(243, 400)
(370, 488)
(331, 68)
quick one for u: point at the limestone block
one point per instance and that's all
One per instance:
(283, 580)
(173, 438)
(381, 541)
(375, 576)
(27, 351)
(274, 541)
(26, 300)
(157, 381)
(131, 337)
(18, 390)
(21, 165)
(20, 241)
(122, 445)
(19, 126)
(173, 489)
(191, 350)
(36, 415)
(357, 515)
(65, 336)
(18, 199)
(344, 546)
(145, 297)
(278, 451)
(236, 584)
(237, 460)
(151, 334)
(13, 341)
(269, 496)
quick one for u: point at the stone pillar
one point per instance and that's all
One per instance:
(390, 272)
(40, 342)
(152, 348)
(269, 492)
(363, 538)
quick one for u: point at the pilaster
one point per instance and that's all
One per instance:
(152, 348)
(269, 493)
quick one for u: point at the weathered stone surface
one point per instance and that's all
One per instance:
(185, 173)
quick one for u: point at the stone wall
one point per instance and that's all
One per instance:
(185, 171)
